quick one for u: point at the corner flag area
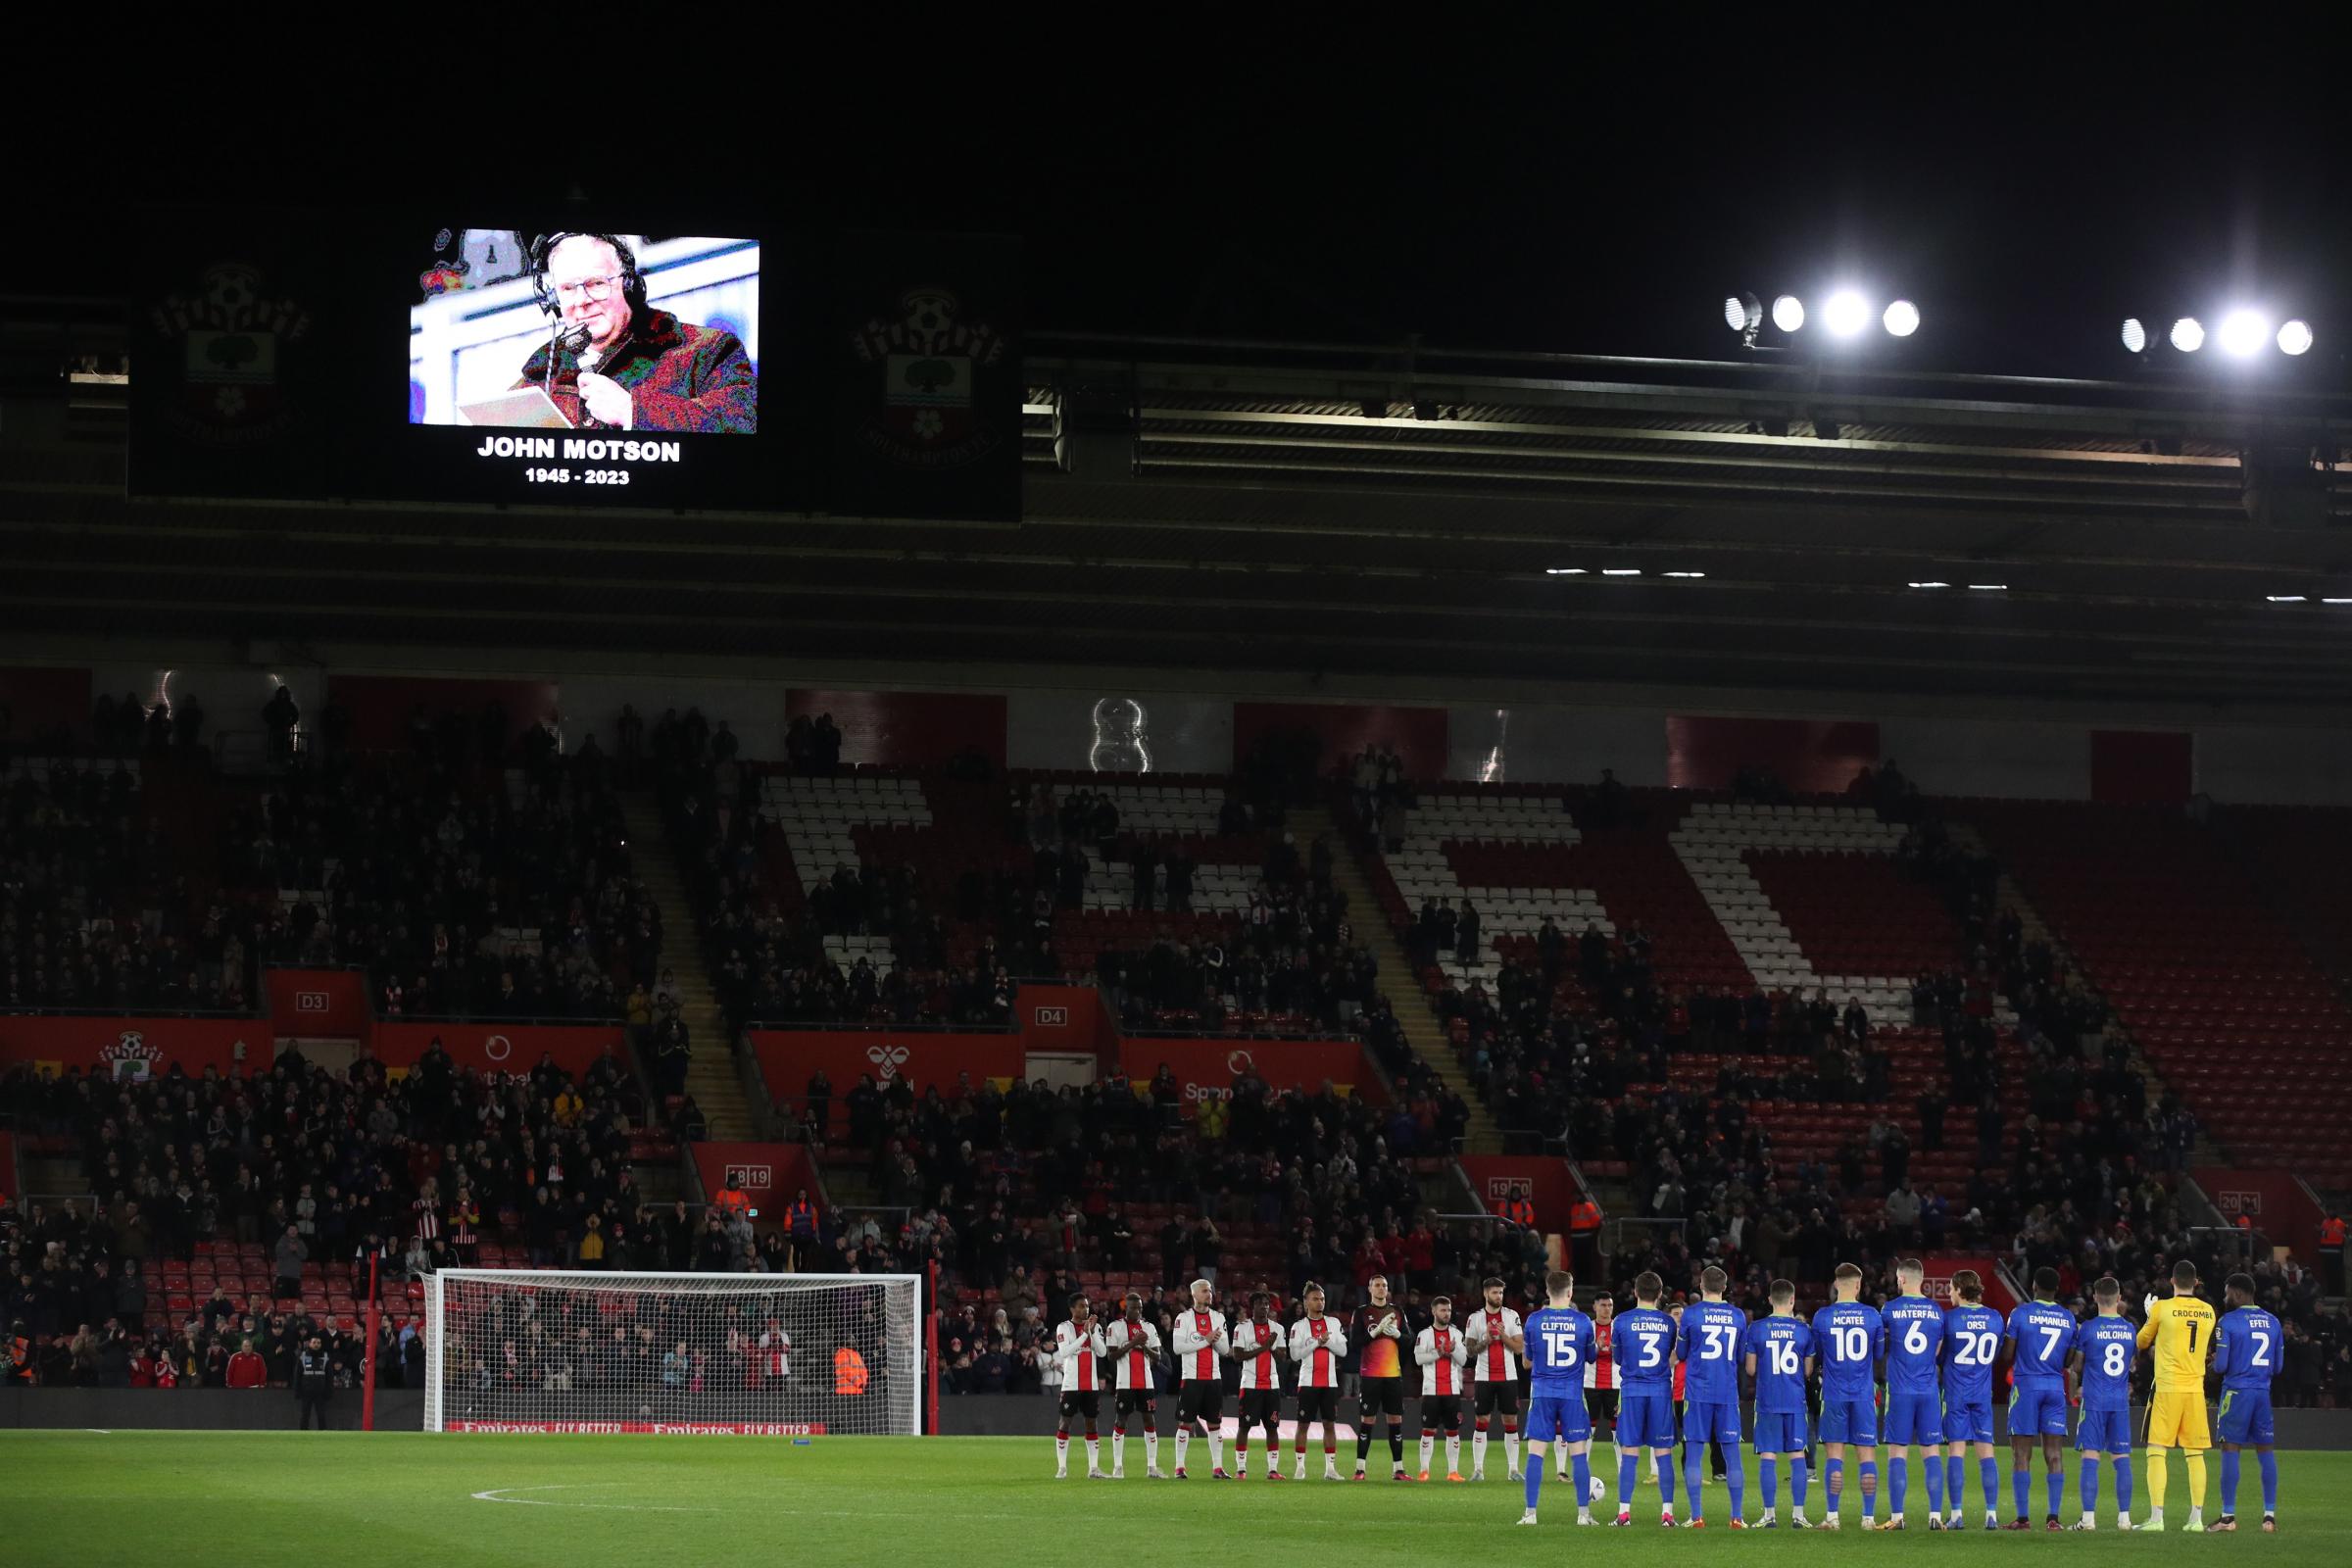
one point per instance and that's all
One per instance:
(257, 1499)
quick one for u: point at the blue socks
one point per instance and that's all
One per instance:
(1735, 1481)
(2020, 1482)
(2230, 1475)
(1768, 1474)
(1694, 1458)
(1796, 1479)
(2269, 1461)
(2123, 1485)
(1898, 1484)
(1582, 1474)
(1628, 1466)
(1989, 1473)
(1870, 1487)
(1955, 1471)
(1935, 1477)
(2056, 1487)
(1537, 1464)
(1832, 1482)
(1666, 1481)
(2090, 1485)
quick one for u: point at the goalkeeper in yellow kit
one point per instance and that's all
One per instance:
(2180, 1329)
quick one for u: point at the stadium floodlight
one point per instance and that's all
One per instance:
(1742, 312)
(1989, 587)
(1621, 572)
(2243, 333)
(2135, 335)
(1927, 584)
(788, 1354)
(1846, 312)
(2290, 599)
(1901, 318)
(1788, 313)
(1692, 574)
(2337, 601)
(1563, 571)
(2294, 337)
(2188, 334)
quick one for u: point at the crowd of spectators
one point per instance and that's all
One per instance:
(462, 895)
(97, 909)
(304, 1168)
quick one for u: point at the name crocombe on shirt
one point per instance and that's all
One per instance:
(1258, 1341)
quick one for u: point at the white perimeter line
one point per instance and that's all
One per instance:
(501, 1494)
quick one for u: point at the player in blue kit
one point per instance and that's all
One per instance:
(1914, 1341)
(2041, 1335)
(1779, 1352)
(1641, 1346)
(1972, 1344)
(2104, 1349)
(1559, 1345)
(2247, 1345)
(1849, 1337)
(1709, 1350)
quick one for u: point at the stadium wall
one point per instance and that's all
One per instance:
(199, 1409)
(1044, 715)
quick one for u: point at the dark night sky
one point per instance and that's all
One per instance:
(1585, 192)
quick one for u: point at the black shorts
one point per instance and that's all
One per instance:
(1200, 1399)
(1441, 1410)
(1318, 1404)
(1602, 1405)
(1379, 1397)
(1087, 1403)
(1261, 1408)
(1495, 1398)
(1133, 1399)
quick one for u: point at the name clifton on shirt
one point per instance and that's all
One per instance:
(578, 447)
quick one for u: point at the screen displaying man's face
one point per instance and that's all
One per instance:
(584, 273)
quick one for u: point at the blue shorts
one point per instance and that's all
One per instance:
(1968, 1423)
(1854, 1421)
(2247, 1417)
(2038, 1410)
(1710, 1422)
(1780, 1431)
(2104, 1432)
(1558, 1418)
(1914, 1418)
(1644, 1421)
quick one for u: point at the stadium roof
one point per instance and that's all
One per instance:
(1377, 510)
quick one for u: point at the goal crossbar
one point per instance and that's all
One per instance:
(560, 1350)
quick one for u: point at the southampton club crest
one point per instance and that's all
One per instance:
(233, 338)
(931, 365)
(130, 1055)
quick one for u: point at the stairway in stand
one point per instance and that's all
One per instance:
(710, 1078)
(2010, 896)
(1422, 1031)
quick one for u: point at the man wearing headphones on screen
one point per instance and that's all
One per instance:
(620, 364)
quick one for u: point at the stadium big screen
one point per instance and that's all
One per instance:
(693, 366)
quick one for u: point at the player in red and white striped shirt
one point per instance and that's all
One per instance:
(1442, 1352)
(1078, 1352)
(1318, 1343)
(1257, 1342)
(1200, 1340)
(1495, 1344)
(1133, 1345)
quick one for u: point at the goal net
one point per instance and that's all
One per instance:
(553, 1351)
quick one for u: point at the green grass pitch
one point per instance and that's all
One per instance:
(253, 1499)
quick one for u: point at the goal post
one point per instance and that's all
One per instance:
(563, 1351)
